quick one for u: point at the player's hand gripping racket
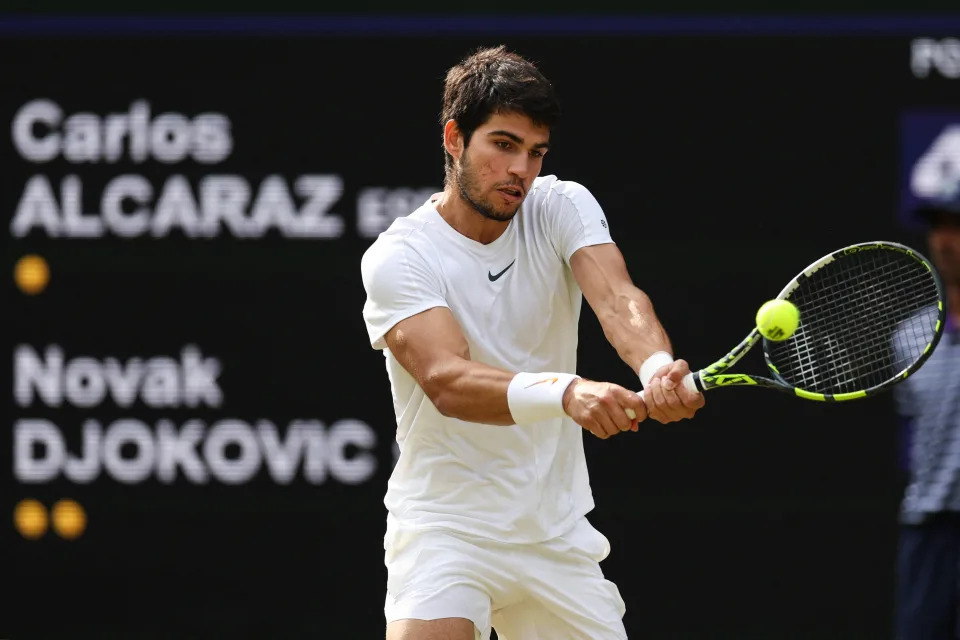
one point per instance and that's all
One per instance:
(870, 315)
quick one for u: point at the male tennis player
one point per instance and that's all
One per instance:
(475, 299)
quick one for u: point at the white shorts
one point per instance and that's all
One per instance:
(552, 590)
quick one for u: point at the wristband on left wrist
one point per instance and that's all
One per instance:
(651, 365)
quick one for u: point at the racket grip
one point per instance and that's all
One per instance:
(687, 381)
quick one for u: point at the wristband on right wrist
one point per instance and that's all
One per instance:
(534, 397)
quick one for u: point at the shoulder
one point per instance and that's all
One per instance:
(398, 250)
(404, 235)
(552, 188)
(549, 194)
(561, 200)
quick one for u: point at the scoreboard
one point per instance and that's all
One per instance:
(199, 434)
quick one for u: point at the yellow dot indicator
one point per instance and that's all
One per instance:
(69, 518)
(31, 273)
(30, 518)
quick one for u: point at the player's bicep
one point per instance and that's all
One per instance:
(428, 345)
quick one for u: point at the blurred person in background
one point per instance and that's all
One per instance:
(928, 403)
(475, 300)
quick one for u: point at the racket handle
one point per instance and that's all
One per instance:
(687, 381)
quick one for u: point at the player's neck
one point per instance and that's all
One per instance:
(466, 220)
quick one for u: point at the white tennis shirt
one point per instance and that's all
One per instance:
(518, 305)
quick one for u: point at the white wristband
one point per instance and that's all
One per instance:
(651, 364)
(533, 397)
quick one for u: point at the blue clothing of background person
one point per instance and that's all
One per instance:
(928, 563)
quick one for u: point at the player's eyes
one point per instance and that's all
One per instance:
(505, 145)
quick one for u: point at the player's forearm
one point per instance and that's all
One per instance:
(470, 391)
(630, 324)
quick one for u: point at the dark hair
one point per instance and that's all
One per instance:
(491, 81)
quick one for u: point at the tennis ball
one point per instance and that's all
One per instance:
(778, 319)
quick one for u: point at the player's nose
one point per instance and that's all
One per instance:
(522, 167)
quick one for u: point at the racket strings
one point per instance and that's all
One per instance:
(864, 319)
(847, 367)
(875, 354)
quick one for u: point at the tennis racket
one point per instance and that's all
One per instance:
(870, 315)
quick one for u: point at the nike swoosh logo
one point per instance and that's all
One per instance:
(494, 278)
(550, 380)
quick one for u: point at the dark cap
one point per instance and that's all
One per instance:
(944, 198)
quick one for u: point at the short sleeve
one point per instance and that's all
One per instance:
(580, 221)
(399, 283)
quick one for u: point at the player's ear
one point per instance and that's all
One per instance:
(453, 139)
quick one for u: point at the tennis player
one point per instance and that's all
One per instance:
(474, 299)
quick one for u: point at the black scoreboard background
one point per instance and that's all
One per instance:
(195, 375)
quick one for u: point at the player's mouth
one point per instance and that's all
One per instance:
(512, 194)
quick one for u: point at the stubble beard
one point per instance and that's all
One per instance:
(466, 183)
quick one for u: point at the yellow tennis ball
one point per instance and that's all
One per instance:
(778, 319)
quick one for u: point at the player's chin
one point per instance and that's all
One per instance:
(504, 214)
